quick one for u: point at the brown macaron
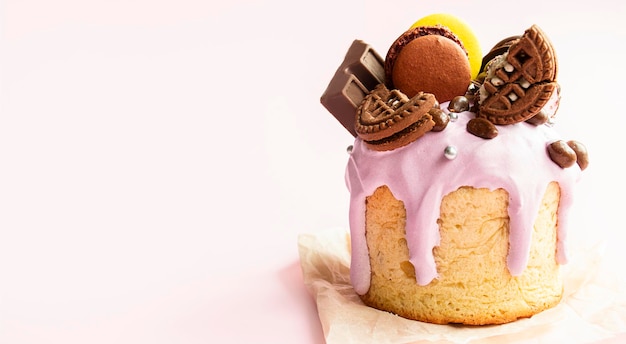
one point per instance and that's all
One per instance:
(431, 60)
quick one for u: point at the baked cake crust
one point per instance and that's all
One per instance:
(473, 286)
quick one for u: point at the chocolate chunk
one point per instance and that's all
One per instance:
(582, 157)
(482, 128)
(359, 73)
(562, 154)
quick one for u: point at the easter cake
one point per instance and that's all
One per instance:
(459, 185)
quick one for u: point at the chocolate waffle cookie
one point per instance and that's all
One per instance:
(388, 119)
(520, 82)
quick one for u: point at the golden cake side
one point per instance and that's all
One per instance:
(473, 285)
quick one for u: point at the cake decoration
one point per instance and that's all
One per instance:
(498, 49)
(388, 120)
(428, 59)
(462, 31)
(459, 104)
(582, 157)
(482, 128)
(562, 154)
(521, 81)
(565, 154)
(359, 73)
(542, 117)
(447, 149)
(440, 118)
(450, 152)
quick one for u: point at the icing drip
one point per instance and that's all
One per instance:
(420, 175)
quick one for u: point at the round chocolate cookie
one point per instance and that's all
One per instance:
(521, 81)
(428, 59)
(388, 119)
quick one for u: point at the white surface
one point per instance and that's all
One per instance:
(159, 158)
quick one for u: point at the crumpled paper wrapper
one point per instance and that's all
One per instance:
(593, 307)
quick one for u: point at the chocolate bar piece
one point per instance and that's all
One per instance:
(361, 71)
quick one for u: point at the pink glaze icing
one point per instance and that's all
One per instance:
(420, 175)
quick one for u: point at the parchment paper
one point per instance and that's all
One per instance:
(593, 306)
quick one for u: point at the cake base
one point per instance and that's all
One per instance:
(473, 286)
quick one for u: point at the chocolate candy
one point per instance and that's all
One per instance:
(562, 154)
(482, 128)
(440, 118)
(362, 69)
(540, 118)
(582, 157)
(459, 104)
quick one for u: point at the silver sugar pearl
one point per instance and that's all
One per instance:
(349, 149)
(453, 116)
(450, 152)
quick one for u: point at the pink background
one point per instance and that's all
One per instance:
(158, 159)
